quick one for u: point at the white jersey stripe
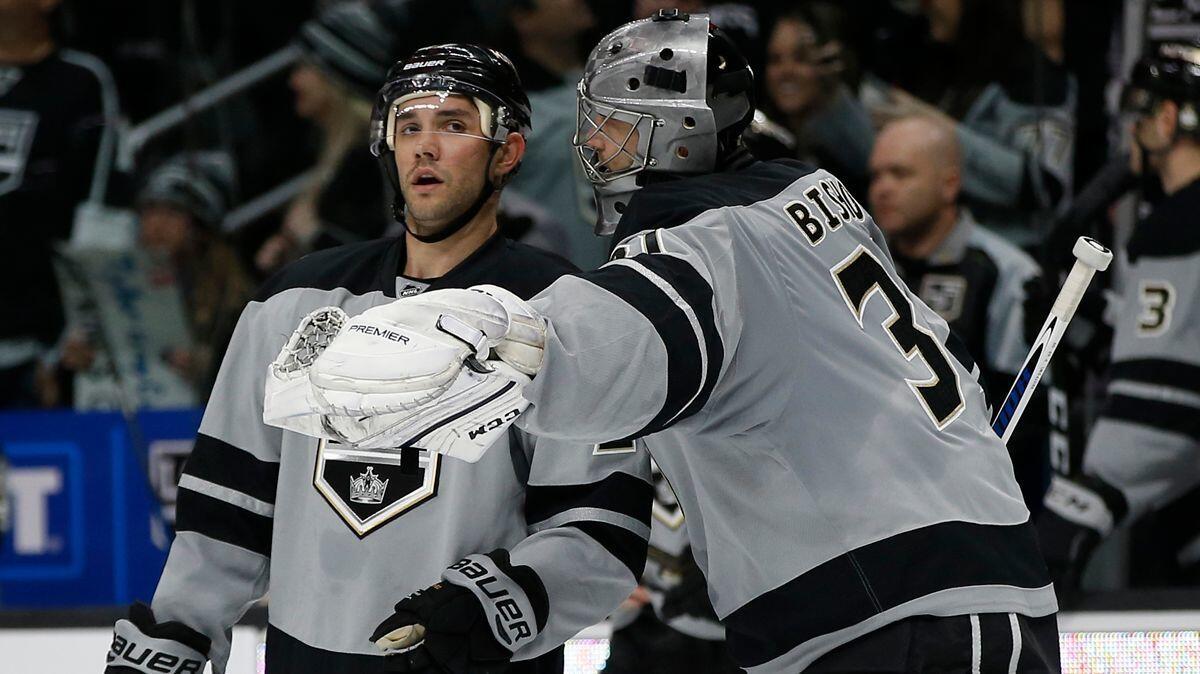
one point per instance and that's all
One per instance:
(683, 305)
(976, 644)
(1016, 642)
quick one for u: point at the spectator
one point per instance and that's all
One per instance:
(55, 109)
(807, 93)
(548, 53)
(1013, 107)
(970, 276)
(1144, 451)
(347, 51)
(180, 208)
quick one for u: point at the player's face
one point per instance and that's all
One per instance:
(441, 156)
(906, 186)
(615, 144)
(791, 73)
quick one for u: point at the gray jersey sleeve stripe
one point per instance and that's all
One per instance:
(1157, 414)
(1163, 372)
(223, 521)
(685, 353)
(221, 463)
(593, 515)
(1135, 389)
(625, 546)
(619, 493)
(218, 492)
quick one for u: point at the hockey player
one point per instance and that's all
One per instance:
(843, 491)
(973, 278)
(1144, 451)
(338, 535)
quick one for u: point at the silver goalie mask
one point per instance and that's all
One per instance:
(644, 106)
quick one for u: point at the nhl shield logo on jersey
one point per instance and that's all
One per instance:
(369, 488)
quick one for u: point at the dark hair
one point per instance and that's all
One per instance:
(990, 37)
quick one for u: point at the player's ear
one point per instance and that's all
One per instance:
(951, 184)
(509, 156)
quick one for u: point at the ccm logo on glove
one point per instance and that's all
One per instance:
(158, 662)
(508, 615)
(374, 331)
(494, 423)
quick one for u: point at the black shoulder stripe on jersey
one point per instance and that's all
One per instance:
(626, 546)
(223, 521)
(857, 585)
(958, 349)
(1157, 414)
(651, 238)
(681, 340)
(1161, 372)
(698, 293)
(617, 492)
(223, 464)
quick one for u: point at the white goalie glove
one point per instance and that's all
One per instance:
(441, 371)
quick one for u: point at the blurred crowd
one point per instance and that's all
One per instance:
(972, 128)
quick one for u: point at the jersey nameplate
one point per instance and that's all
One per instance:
(826, 206)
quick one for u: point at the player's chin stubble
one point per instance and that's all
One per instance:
(427, 216)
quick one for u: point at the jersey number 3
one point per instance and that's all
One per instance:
(861, 275)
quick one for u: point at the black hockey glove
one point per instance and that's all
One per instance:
(471, 623)
(142, 646)
(1079, 513)
(690, 596)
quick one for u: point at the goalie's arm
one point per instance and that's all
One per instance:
(635, 346)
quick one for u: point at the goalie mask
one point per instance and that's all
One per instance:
(481, 74)
(668, 95)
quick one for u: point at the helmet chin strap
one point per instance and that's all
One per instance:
(460, 221)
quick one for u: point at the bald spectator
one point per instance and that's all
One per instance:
(972, 277)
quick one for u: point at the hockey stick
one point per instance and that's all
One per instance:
(1090, 257)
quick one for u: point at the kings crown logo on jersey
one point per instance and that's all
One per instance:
(368, 488)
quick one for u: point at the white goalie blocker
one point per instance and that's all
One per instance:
(413, 373)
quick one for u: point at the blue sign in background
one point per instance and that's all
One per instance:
(86, 528)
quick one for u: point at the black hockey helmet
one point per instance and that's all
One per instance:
(483, 74)
(1170, 72)
(480, 73)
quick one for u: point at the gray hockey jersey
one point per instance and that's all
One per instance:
(1146, 443)
(976, 281)
(338, 536)
(831, 451)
